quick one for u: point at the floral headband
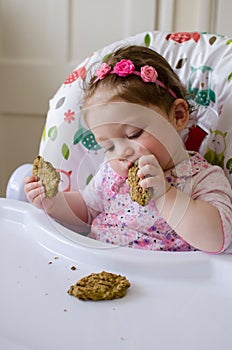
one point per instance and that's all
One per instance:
(126, 67)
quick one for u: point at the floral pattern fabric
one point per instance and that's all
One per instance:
(116, 219)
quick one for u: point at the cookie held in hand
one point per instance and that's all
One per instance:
(100, 286)
(48, 175)
(138, 194)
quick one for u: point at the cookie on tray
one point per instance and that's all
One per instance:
(100, 286)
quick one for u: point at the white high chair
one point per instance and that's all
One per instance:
(176, 299)
(203, 63)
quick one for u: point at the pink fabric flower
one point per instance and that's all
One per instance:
(69, 116)
(103, 71)
(124, 68)
(148, 74)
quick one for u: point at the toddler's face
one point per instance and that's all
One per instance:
(127, 131)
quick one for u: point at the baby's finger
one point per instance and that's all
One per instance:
(36, 194)
(31, 185)
(29, 179)
(149, 182)
(148, 159)
(148, 166)
(148, 170)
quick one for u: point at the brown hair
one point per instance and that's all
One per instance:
(132, 88)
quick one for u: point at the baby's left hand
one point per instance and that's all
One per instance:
(152, 175)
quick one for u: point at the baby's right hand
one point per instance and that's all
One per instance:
(35, 191)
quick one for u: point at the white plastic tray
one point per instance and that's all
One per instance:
(176, 300)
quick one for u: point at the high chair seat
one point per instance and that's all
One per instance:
(171, 294)
(203, 63)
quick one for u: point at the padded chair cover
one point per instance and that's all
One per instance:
(203, 62)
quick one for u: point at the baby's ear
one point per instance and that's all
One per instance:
(180, 114)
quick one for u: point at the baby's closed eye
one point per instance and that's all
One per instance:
(135, 134)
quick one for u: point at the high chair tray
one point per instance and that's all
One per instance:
(176, 300)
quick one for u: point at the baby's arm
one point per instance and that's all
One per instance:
(197, 221)
(68, 208)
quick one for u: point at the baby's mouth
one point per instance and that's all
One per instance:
(132, 163)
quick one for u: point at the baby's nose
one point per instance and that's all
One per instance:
(125, 149)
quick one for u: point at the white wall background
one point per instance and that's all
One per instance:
(41, 41)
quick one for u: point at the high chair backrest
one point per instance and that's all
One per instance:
(203, 62)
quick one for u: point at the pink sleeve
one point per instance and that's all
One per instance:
(211, 185)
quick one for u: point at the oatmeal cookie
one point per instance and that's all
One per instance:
(48, 175)
(137, 193)
(100, 286)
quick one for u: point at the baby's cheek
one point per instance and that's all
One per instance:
(118, 168)
(149, 143)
